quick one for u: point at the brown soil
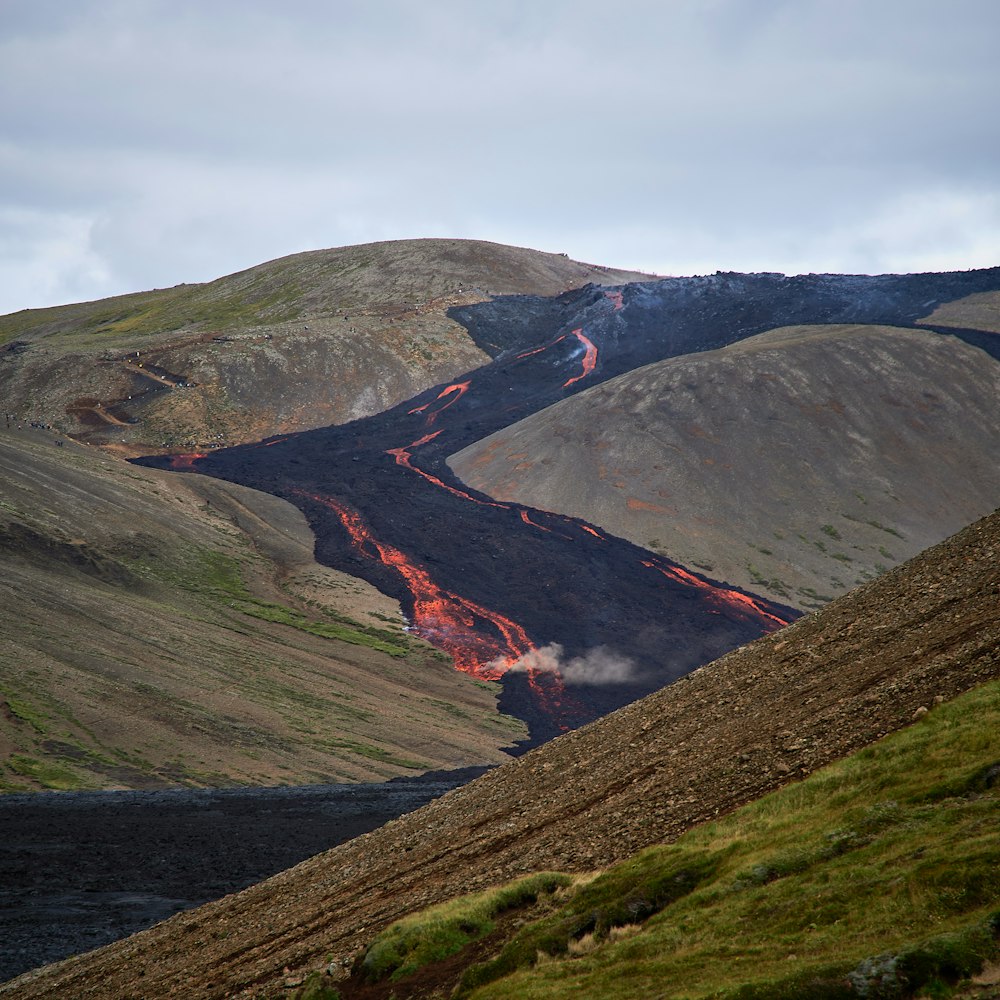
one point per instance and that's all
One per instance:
(752, 721)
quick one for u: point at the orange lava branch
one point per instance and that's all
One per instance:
(456, 391)
(186, 461)
(443, 618)
(721, 595)
(589, 358)
(405, 459)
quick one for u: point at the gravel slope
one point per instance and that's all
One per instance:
(785, 705)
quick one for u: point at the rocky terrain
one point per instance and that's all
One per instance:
(798, 463)
(839, 679)
(304, 341)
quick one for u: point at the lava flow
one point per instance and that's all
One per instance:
(589, 358)
(405, 459)
(183, 462)
(441, 617)
(718, 594)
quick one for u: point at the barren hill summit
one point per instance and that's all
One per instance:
(311, 339)
(761, 717)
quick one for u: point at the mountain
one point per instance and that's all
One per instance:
(798, 463)
(579, 621)
(163, 630)
(307, 340)
(764, 716)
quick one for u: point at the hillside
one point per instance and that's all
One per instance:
(312, 339)
(163, 630)
(797, 463)
(760, 718)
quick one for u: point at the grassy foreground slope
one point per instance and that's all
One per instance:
(764, 715)
(174, 630)
(876, 876)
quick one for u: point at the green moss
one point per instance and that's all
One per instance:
(26, 712)
(435, 934)
(375, 753)
(360, 635)
(879, 875)
(47, 773)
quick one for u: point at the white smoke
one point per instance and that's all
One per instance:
(597, 666)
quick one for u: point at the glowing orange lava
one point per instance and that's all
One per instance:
(440, 616)
(589, 359)
(456, 392)
(186, 461)
(405, 459)
(721, 595)
(534, 524)
(591, 531)
(616, 299)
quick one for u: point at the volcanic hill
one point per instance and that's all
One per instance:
(308, 340)
(579, 621)
(761, 717)
(797, 463)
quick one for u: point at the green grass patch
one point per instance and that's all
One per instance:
(359, 636)
(22, 710)
(435, 934)
(379, 754)
(48, 774)
(878, 876)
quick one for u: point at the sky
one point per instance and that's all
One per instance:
(145, 143)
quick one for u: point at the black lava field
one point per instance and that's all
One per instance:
(491, 582)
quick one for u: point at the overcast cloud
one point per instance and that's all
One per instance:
(145, 143)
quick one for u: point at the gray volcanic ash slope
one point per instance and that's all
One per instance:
(799, 462)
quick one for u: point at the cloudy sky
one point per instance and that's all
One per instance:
(144, 143)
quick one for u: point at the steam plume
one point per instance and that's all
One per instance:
(597, 666)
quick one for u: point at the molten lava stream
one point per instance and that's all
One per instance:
(720, 595)
(405, 459)
(456, 391)
(186, 461)
(589, 358)
(443, 618)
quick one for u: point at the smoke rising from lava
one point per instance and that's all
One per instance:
(600, 665)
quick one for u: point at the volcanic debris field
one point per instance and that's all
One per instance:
(510, 591)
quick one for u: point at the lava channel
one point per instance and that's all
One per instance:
(721, 595)
(441, 617)
(405, 459)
